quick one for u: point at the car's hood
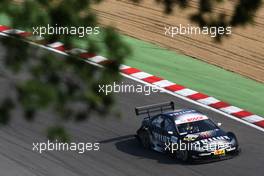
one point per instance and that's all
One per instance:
(207, 137)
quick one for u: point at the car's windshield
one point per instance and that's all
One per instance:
(196, 127)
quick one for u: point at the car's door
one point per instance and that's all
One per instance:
(169, 132)
(156, 130)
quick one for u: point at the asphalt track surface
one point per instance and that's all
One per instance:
(120, 154)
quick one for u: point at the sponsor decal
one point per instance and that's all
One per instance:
(206, 134)
(219, 152)
(182, 112)
(190, 118)
(190, 137)
(160, 137)
(212, 139)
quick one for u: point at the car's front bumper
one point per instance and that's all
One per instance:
(198, 155)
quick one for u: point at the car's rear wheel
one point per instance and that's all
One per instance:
(144, 139)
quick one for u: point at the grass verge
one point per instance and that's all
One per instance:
(200, 76)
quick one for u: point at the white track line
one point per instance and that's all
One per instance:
(196, 103)
(159, 88)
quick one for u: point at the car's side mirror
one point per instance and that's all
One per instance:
(219, 124)
(170, 132)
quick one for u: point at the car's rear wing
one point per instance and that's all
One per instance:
(161, 107)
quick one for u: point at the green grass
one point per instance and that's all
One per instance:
(200, 76)
(4, 20)
(195, 74)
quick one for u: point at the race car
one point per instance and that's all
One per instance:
(186, 134)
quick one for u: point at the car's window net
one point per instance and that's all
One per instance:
(169, 126)
(196, 127)
(157, 121)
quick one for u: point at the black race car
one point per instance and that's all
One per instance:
(186, 134)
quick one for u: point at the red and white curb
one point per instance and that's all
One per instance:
(144, 77)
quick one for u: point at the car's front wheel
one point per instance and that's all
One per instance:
(182, 155)
(235, 142)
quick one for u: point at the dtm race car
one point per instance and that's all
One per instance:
(185, 133)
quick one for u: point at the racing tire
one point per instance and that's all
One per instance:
(232, 135)
(183, 156)
(144, 139)
(238, 149)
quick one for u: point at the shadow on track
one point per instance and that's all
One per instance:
(130, 145)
